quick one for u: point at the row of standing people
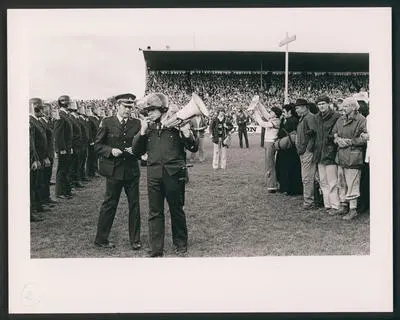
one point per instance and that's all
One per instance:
(330, 146)
(68, 134)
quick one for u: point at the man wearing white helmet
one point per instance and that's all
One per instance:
(166, 169)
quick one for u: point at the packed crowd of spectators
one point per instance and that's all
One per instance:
(234, 90)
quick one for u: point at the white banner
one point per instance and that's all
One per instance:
(250, 129)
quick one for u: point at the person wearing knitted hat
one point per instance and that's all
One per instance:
(305, 138)
(350, 134)
(166, 172)
(324, 154)
(271, 125)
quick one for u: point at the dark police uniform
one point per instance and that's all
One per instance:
(47, 171)
(40, 152)
(77, 150)
(91, 166)
(165, 180)
(121, 172)
(63, 142)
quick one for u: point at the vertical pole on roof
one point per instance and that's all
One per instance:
(285, 42)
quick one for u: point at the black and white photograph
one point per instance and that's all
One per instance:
(200, 160)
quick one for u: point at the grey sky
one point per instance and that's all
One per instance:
(94, 53)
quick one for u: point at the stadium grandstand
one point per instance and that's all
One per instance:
(232, 78)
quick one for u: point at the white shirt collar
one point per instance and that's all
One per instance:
(120, 118)
(32, 115)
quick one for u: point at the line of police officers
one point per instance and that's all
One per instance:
(68, 134)
(118, 141)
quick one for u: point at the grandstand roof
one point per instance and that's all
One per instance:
(252, 60)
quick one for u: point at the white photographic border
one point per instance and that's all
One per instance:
(262, 284)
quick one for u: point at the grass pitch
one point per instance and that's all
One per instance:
(228, 215)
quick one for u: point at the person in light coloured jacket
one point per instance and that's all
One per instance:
(350, 135)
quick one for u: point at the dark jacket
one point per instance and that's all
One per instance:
(94, 126)
(77, 141)
(39, 138)
(48, 126)
(111, 135)
(305, 134)
(165, 150)
(63, 133)
(225, 131)
(85, 134)
(325, 149)
(287, 125)
(242, 120)
(351, 128)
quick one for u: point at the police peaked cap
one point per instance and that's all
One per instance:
(126, 99)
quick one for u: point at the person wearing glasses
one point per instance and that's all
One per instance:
(113, 144)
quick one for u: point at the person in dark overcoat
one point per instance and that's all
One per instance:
(63, 148)
(166, 167)
(120, 166)
(288, 167)
(48, 124)
(39, 156)
(78, 140)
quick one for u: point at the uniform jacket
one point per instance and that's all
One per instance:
(94, 126)
(39, 139)
(77, 141)
(305, 133)
(63, 133)
(112, 134)
(325, 148)
(85, 134)
(165, 150)
(48, 126)
(351, 128)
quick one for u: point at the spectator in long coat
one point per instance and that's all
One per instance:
(288, 167)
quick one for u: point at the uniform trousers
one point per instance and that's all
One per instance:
(74, 164)
(91, 163)
(171, 188)
(109, 208)
(82, 163)
(47, 172)
(63, 184)
(36, 176)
